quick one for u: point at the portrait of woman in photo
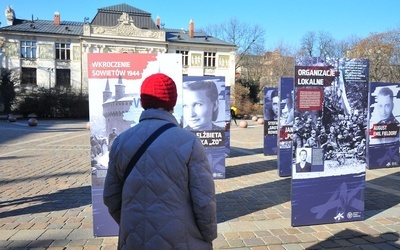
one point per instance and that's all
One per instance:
(200, 105)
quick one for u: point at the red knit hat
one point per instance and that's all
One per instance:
(158, 91)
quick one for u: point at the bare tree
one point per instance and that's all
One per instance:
(318, 45)
(249, 39)
(343, 46)
(326, 44)
(383, 52)
(308, 44)
(395, 58)
(7, 91)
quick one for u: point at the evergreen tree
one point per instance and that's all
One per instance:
(7, 92)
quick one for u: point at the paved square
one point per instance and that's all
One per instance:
(45, 201)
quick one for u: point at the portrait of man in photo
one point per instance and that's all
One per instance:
(303, 165)
(384, 125)
(385, 105)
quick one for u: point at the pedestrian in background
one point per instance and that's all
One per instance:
(233, 116)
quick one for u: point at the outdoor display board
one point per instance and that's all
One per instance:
(328, 176)
(228, 121)
(383, 145)
(271, 109)
(286, 120)
(205, 114)
(114, 105)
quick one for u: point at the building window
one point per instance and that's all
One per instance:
(63, 78)
(28, 76)
(28, 49)
(63, 51)
(185, 57)
(209, 59)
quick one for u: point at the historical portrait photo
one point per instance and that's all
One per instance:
(303, 160)
(271, 106)
(385, 111)
(202, 108)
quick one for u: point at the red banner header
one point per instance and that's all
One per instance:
(126, 66)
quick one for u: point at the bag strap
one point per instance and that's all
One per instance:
(144, 146)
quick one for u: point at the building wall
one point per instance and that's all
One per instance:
(45, 62)
(96, 40)
(224, 65)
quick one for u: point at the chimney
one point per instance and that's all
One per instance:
(158, 22)
(191, 28)
(57, 18)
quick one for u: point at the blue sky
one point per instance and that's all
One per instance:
(284, 20)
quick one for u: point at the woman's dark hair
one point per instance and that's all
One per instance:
(211, 92)
(274, 93)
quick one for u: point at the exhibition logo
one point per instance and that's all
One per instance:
(339, 216)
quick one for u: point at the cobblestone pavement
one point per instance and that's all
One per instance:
(45, 196)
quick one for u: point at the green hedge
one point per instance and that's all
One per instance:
(51, 104)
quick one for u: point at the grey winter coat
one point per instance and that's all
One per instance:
(168, 200)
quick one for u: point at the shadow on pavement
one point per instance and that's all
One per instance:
(238, 152)
(43, 177)
(249, 168)
(21, 128)
(350, 239)
(7, 158)
(233, 204)
(381, 194)
(60, 200)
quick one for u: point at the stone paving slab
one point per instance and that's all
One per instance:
(45, 196)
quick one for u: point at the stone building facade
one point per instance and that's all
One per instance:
(53, 53)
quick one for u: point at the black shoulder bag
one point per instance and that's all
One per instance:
(144, 146)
